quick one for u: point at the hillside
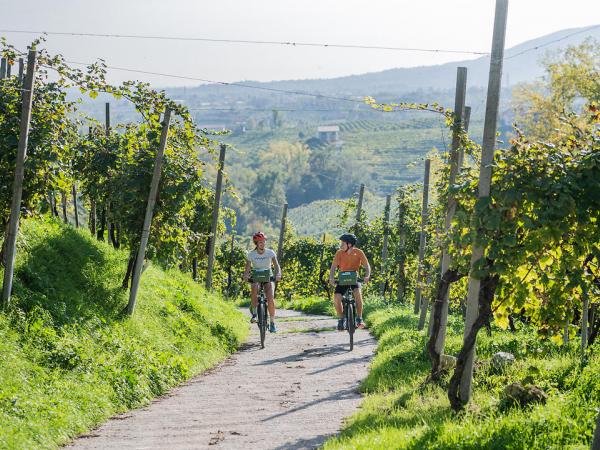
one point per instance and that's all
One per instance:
(69, 358)
(321, 216)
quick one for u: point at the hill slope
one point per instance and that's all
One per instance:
(70, 360)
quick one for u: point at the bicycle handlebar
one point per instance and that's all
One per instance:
(358, 280)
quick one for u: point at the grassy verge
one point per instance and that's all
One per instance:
(308, 305)
(69, 359)
(402, 412)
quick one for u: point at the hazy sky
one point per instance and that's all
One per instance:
(444, 24)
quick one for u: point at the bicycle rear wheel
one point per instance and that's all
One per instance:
(351, 324)
(262, 323)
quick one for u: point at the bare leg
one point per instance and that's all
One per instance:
(359, 304)
(270, 300)
(337, 302)
(254, 295)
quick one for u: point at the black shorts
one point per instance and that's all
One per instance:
(250, 280)
(342, 289)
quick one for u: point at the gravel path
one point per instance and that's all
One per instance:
(293, 394)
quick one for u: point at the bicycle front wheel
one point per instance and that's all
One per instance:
(351, 324)
(262, 323)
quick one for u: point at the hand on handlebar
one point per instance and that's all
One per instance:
(366, 280)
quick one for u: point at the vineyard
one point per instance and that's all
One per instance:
(485, 291)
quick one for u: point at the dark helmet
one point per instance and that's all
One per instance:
(348, 238)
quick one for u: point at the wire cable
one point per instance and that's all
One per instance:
(225, 83)
(248, 41)
(551, 42)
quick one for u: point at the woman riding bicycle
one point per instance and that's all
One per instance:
(349, 259)
(262, 258)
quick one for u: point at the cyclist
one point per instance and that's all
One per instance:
(262, 258)
(349, 259)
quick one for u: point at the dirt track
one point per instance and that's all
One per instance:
(293, 394)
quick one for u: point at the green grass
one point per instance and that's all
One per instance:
(309, 305)
(70, 359)
(401, 412)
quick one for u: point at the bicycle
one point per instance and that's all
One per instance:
(349, 314)
(262, 312)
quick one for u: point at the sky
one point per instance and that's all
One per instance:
(435, 24)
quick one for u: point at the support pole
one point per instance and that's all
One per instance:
(21, 69)
(3, 64)
(446, 263)
(401, 260)
(422, 237)
(281, 233)
(585, 318)
(15, 209)
(230, 266)
(139, 261)
(361, 194)
(107, 217)
(75, 206)
(461, 151)
(384, 250)
(215, 218)
(485, 178)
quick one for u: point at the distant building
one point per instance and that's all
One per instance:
(328, 133)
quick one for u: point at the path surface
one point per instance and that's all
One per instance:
(293, 394)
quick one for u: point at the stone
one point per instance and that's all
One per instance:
(501, 360)
(517, 394)
(447, 362)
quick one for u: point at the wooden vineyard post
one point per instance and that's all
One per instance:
(63, 204)
(107, 206)
(401, 259)
(230, 265)
(21, 70)
(139, 261)
(75, 206)
(585, 318)
(422, 236)
(359, 206)
(17, 191)
(282, 233)
(440, 311)
(215, 218)
(464, 369)
(466, 122)
(384, 250)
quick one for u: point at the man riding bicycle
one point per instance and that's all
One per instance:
(349, 259)
(262, 258)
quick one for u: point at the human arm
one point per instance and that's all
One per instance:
(334, 266)
(247, 270)
(367, 266)
(277, 268)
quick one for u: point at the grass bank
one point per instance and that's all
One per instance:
(307, 305)
(401, 412)
(69, 359)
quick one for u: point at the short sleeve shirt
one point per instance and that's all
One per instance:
(350, 261)
(261, 261)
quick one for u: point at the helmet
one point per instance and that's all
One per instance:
(348, 238)
(259, 236)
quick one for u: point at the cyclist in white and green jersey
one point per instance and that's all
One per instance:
(263, 258)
